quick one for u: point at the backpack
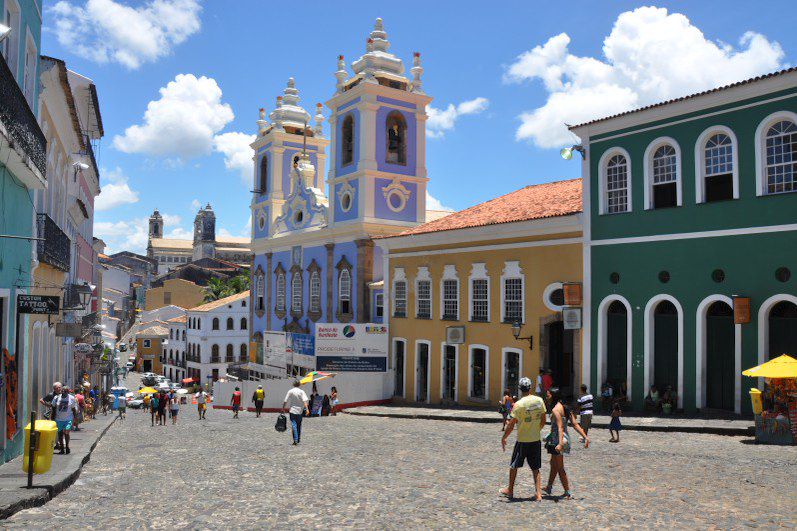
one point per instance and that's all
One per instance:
(154, 402)
(281, 424)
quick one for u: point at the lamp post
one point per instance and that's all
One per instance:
(567, 152)
(516, 328)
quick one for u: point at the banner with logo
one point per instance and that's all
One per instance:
(355, 347)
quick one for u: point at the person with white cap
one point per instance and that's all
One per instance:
(528, 414)
(257, 397)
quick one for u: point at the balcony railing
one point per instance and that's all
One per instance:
(19, 121)
(55, 249)
(90, 151)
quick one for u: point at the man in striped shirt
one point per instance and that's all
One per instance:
(585, 409)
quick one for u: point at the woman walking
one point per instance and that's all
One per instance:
(506, 407)
(558, 442)
(333, 398)
(174, 406)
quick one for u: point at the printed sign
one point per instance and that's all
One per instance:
(354, 347)
(38, 304)
(68, 330)
(301, 344)
(571, 318)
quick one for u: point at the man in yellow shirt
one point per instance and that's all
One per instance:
(529, 416)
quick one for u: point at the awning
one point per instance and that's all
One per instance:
(186, 381)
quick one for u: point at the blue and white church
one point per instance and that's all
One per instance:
(314, 255)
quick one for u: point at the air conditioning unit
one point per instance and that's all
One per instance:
(455, 335)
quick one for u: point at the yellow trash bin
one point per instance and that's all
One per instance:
(755, 397)
(43, 454)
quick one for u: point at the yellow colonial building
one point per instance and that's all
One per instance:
(175, 291)
(455, 286)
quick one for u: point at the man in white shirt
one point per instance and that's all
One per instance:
(65, 406)
(201, 398)
(296, 403)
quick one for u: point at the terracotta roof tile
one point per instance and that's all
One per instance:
(221, 302)
(559, 198)
(178, 319)
(689, 96)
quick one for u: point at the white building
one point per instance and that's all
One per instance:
(173, 357)
(217, 335)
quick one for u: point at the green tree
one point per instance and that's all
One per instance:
(219, 288)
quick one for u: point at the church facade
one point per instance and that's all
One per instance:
(172, 252)
(313, 242)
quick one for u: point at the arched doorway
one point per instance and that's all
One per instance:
(665, 346)
(720, 356)
(783, 329)
(616, 345)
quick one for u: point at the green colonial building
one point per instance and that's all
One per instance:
(691, 212)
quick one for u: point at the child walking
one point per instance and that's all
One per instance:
(615, 425)
(506, 407)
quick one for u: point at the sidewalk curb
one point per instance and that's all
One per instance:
(42, 494)
(712, 430)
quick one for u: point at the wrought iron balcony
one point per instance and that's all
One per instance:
(56, 247)
(19, 121)
(90, 151)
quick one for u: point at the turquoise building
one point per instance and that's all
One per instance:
(690, 220)
(22, 170)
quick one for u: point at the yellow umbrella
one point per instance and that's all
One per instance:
(781, 367)
(148, 391)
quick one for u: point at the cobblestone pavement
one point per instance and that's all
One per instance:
(369, 472)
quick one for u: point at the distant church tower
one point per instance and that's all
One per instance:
(155, 225)
(205, 233)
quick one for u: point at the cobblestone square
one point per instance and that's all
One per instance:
(368, 472)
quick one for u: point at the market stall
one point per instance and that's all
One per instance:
(775, 407)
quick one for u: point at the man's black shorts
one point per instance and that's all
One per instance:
(527, 451)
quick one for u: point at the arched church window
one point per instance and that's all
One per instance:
(396, 139)
(347, 141)
(263, 187)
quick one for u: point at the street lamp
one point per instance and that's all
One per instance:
(516, 328)
(84, 291)
(567, 152)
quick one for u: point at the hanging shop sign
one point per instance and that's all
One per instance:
(82, 348)
(741, 310)
(572, 291)
(571, 318)
(38, 304)
(68, 330)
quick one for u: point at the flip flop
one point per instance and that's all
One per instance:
(505, 492)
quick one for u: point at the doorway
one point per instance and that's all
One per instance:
(512, 371)
(146, 365)
(720, 357)
(398, 368)
(422, 391)
(449, 374)
(665, 346)
(560, 356)
(616, 345)
(783, 329)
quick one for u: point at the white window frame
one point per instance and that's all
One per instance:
(478, 271)
(423, 276)
(29, 79)
(315, 298)
(700, 161)
(260, 295)
(280, 281)
(546, 296)
(760, 148)
(443, 346)
(379, 302)
(344, 293)
(603, 196)
(296, 302)
(649, 152)
(147, 343)
(504, 352)
(486, 349)
(449, 274)
(418, 372)
(398, 276)
(512, 270)
(11, 43)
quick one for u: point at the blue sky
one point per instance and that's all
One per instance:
(504, 77)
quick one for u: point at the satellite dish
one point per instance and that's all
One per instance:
(566, 153)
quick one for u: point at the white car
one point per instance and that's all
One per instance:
(136, 403)
(129, 365)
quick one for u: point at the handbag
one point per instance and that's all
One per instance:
(282, 423)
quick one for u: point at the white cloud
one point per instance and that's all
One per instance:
(195, 204)
(119, 236)
(432, 203)
(442, 120)
(182, 123)
(649, 56)
(132, 235)
(110, 31)
(116, 191)
(237, 153)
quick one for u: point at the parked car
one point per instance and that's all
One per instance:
(149, 380)
(136, 403)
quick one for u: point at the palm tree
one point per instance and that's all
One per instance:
(216, 289)
(239, 284)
